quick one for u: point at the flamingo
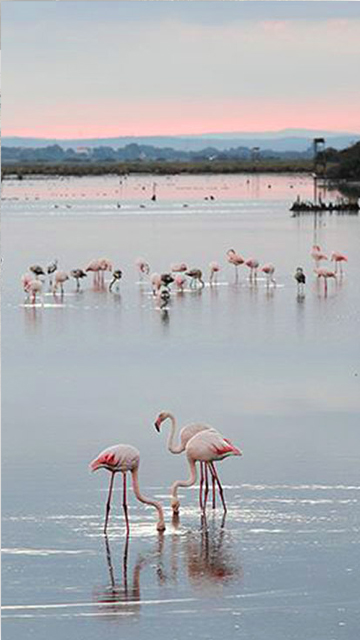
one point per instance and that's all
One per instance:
(37, 270)
(214, 270)
(269, 271)
(196, 276)
(179, 267)
(117, 275)
(94, 266)
(207, 446)
(78, 274)
(143, 266)
(104, 265)
(253, 265)
(180, 281)
(163, 296)
(60, 278)
(324, 273)
(122, 458)
(186, 433)
(338, 258)
(317, 255)
(166, 279)
(50, 269)
(155, 280)
(300, 278)
(236, 259)
(31, 287)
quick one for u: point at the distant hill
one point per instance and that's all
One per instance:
(298, 140)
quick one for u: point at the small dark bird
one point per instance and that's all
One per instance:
(166, 279)
(78, 274)
(196, 276)
(163, 297)
(117, 275)
(300, 278)
(37, 270)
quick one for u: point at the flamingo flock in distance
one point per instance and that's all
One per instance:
(179, 274)
(201, 443)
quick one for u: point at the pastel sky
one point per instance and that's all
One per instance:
(91, 68)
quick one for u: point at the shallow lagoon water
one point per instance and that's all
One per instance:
(276, 373)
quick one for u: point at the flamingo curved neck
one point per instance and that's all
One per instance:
(170, 444)
(184, 483)
(141, 498)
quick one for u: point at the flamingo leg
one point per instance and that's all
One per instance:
(107, 510)
(211, 464)
(201, 484)
(206, 486)
(125, 507)
(213, 488)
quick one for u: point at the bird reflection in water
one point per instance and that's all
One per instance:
(122, 599)
(33, 318)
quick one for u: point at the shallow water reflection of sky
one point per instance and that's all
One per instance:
(277, 373)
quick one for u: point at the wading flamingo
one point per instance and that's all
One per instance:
(338, 259)
(104, 265)
(186, 433)
(324, 273)
(31, 287)
(317, 255)
(50, 269)
(207, 446)
(143, 267)
(253, 265)
(60, 278)
(117, 275)
(163, 296)
(300, 278)
(196, 276)
(155, 280)
(94, 266)
(180, 281)
(78, 274)
(178, 268)
(122, 458)
(269, 271)
(236, 259)
(214, 270)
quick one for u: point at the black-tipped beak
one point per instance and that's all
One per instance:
(157, 427)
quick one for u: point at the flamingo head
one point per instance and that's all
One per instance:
(163, 415)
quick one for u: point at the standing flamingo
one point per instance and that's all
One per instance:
(122, 458)
(178, 267)
(214, 270)
(235, 259)
(116, 277)
(324, 273)
(94, 266)
(104, 265)
(317, 255)
(186, 433)
(269, 271)
(60, 278)
(37, 270)
(143, 267)
(207, 446)
(78, 274)
(156, 283)
(196, 276)
(338, 258)
(31, 287)
(300, 278)
(50, 269)
(253, 265)
(180, 282)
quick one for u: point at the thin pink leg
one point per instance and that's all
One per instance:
(213, 489)
(201, 485)
(206, 486)
(219, 485)
(107, 511)
(125, 506)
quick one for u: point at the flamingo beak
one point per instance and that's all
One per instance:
(157, 425)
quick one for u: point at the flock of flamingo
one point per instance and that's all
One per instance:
(201, 443)
(179, 274)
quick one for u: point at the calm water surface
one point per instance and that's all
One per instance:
(277, 374)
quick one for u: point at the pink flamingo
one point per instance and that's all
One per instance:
(94, 266)
(235, 259)
(317, 255)
(60, 278)
(207, 446)
(31, 287)
(178, 268)
(143, 267)
(214, 270)
(253, 265)
(122, 458)
(269, 271)
(156, 282)
(338, 258)
(186, 433)
(104, 265)
(324, 273)
(180, 281)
